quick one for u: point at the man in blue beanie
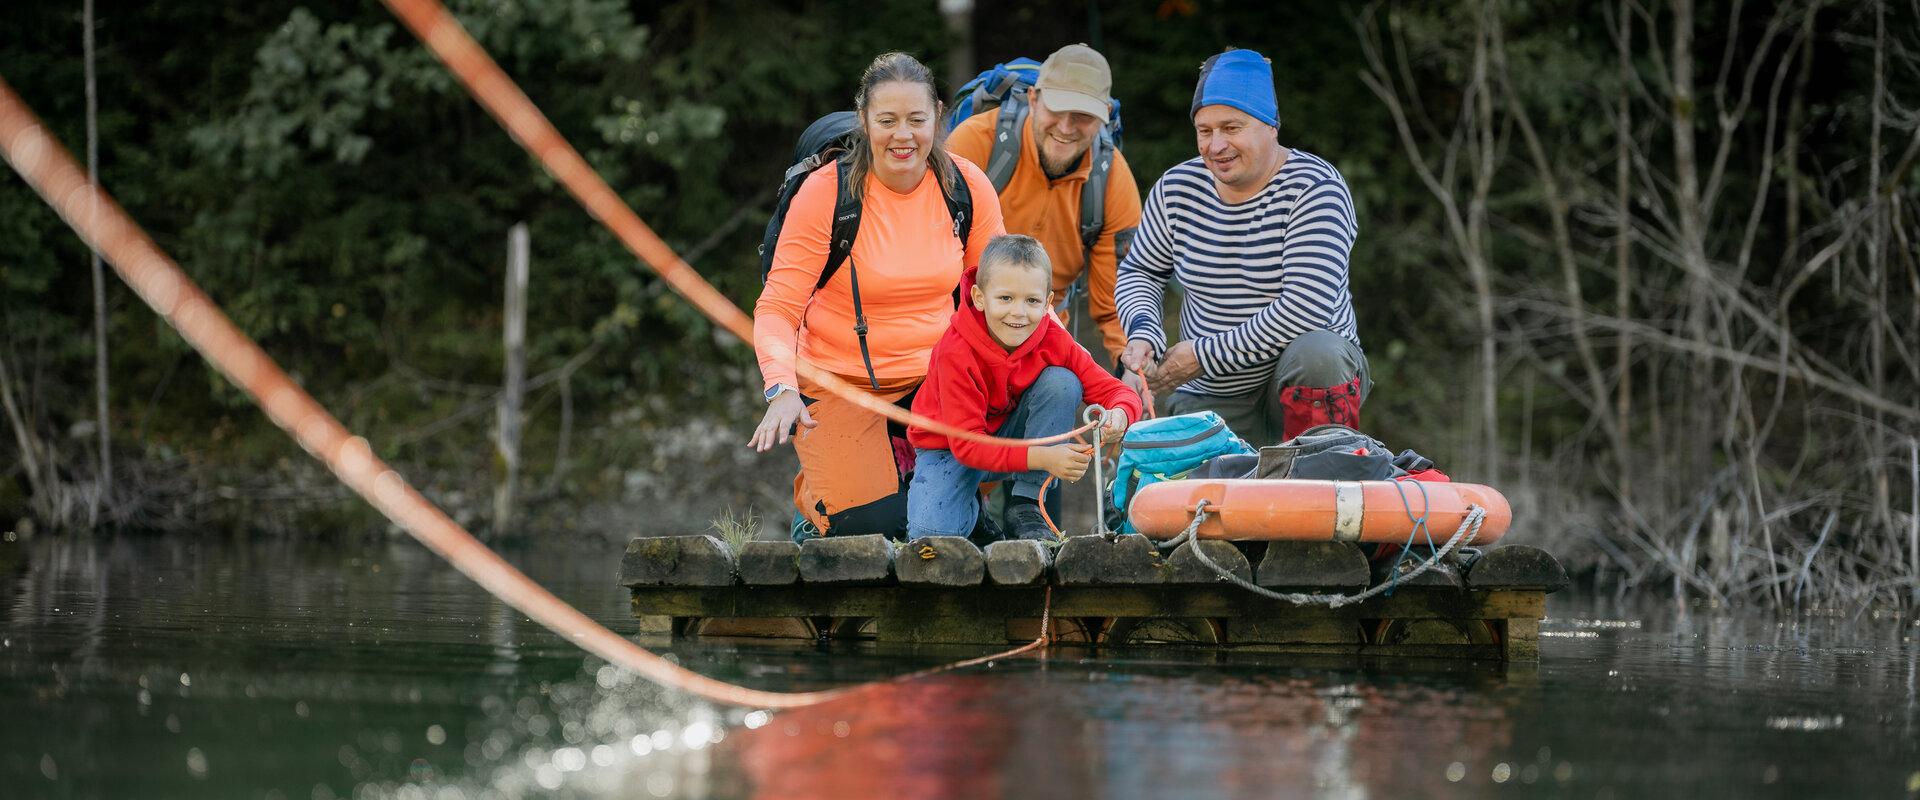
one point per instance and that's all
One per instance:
(1258, 235)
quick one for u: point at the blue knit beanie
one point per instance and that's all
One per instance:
(1239, 78)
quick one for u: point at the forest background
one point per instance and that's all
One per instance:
(1649, 265)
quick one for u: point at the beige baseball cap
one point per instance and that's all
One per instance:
(1076, 78)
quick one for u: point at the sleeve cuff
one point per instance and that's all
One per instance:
(1210, 351)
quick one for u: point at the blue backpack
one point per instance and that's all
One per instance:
(1165, 449)
(1005, 87)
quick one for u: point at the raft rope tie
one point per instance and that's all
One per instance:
(1469, 528)
(1419, 527)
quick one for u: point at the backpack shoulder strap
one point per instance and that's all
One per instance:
(960, 208)
(1093, 194)
(846, 227)
(1009, 133)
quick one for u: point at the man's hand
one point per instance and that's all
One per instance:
(1179, 365)
(1137, 356)
(1064, 461)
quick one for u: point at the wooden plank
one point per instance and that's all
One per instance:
(791, 628)
(769, 563)
(1313, 566)
(676, 561)
(940, 561)
(1444, 575)
(1184, 568)
(1517, 566)
(941, 618)
(1099, 561)
(1082, 601)
(1018, 563)
(1520, 639)
(847, 560)
(1267, 630)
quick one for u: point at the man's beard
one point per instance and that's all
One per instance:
(1054, 170)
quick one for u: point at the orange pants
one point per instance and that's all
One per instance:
(854, 462)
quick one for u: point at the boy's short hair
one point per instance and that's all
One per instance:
(1013, 249)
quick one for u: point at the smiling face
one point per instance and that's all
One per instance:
(899, 119)
(1014, 299)
(1239, 150)
(1062, 136)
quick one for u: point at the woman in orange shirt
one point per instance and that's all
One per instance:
(908, 257)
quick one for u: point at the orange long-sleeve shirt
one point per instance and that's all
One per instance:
(1049, 210)
(909, 263)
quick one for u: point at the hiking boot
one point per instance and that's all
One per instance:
(1025, 523)
(985, 532)
(801, 529)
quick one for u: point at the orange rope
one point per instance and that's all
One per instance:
(1042, 500)
(502, 98)
(51, 170)
(1146, 393)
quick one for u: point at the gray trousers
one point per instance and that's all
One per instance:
(1316, 359)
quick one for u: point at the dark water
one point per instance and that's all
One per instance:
(147, 668)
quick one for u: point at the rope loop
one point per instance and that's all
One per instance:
(1469, 528)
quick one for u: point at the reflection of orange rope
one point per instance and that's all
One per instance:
(503, 99)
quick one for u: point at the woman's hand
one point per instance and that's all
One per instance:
(1113, 425)
(776, 426)
(1064, 461)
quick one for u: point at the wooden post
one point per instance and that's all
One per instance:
(958, 15)
(515, 333)
(103, 496)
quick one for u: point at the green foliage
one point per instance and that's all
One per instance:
(341, 196)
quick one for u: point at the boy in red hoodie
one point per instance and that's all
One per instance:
(1005, 367)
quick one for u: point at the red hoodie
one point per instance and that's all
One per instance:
(973, 383)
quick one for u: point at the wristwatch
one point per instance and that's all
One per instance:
(775, 390)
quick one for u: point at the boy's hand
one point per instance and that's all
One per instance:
(1064, 461)
(1113, 425)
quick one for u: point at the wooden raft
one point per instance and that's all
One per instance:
(1123, 591)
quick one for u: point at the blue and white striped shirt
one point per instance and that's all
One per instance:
(1256, 273)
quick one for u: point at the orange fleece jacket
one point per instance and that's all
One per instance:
(909, 261)
(1049, 210)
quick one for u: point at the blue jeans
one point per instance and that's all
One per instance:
(944, 499)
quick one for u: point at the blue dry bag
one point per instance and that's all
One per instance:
(1165, 449)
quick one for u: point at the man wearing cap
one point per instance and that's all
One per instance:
(1258, 235)
(1057, 154)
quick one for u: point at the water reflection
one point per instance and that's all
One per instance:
(1150, 730)
(296, 670)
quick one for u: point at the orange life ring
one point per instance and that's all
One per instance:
(1302, 510)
